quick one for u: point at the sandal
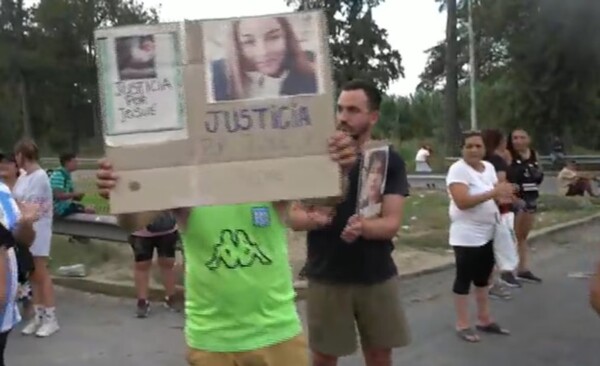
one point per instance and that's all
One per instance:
(493, 328)
(468, 335)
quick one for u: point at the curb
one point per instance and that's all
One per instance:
(300, 286)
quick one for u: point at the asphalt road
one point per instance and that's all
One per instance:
(552, 324)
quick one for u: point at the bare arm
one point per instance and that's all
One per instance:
(385, 227)
(462, 198)
(302, 218)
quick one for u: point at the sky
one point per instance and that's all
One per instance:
(413, 25)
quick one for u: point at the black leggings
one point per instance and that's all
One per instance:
(473, 265)
(143, 247)
(3, 339)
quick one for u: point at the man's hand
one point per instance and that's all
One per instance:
(353, 229)
(106, 179)
(321, 216)
(343, 149)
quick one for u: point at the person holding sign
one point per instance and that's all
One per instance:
(351, 274)
(239, 307)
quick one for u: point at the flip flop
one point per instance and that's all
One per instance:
(468, 335)
(493, 328)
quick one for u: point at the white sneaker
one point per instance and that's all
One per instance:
(34, 324)
(49, 326)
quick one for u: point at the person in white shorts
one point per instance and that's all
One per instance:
(34, 187)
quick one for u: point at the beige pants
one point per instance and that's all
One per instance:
(289, 353)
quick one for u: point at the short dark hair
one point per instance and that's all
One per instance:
(372, 92)
(467, 135)
(66, 157)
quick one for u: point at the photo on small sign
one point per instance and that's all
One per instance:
(136, 57)
(263, 57)
(141, 82)
(372, 178)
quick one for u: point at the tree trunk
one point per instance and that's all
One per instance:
(452, 139)
(26, 120)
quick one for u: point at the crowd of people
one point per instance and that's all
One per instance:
(239, 296)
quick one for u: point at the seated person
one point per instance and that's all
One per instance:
(66, 200)
(573, 183)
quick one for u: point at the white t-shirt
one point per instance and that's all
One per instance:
(473, 227)
(35, 188)
(422, 155)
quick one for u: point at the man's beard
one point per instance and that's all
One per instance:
(357, 133)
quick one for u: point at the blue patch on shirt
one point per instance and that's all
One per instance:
(261, 216)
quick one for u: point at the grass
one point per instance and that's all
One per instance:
(426, 219)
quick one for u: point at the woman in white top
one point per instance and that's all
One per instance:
(34, 187)
(473, 187)
(422, 160)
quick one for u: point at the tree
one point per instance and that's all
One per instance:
(47, 55)
(359, 47)
(451, 90)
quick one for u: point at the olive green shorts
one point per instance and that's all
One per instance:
(336, 312)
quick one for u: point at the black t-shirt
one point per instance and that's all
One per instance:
(498, 162)
(527, 174)
(330, 259)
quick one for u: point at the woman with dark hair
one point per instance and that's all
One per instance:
(474, 190)
(264, 60)
(496, 154)
(526, 172)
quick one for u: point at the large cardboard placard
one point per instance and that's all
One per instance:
(218, 111)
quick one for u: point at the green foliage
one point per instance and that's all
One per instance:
(48, 85)
(359, 47)
(536, 65)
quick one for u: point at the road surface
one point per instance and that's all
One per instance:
(552, 324)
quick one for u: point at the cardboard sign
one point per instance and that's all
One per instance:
(218, 111)
(372, 179)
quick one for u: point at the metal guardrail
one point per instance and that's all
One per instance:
(101, 227)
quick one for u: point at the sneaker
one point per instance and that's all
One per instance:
(49, 326)
(143, 308)
(32, 327)
(499, 292)
(509, 279)
(528, 277)
(174, 303)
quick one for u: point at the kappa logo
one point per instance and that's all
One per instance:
(236, 249)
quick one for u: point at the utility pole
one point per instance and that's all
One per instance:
(472, 68)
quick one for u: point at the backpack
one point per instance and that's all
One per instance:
(165, 221)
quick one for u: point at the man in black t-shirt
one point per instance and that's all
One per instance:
(352, 275)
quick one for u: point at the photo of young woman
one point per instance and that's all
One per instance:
(136, 57)
(372, 182)
(261, 57)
